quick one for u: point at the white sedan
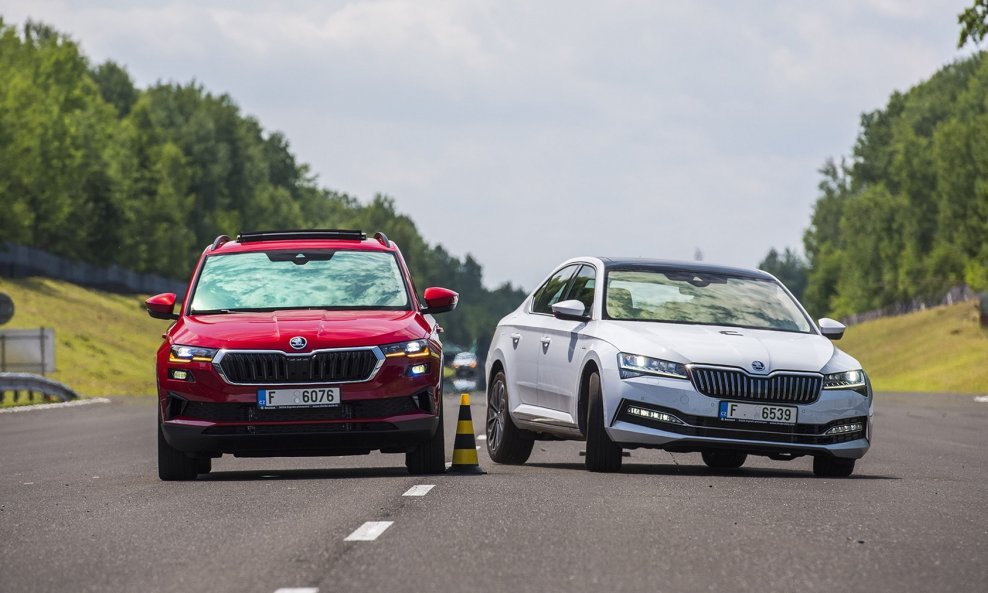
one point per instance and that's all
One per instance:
(686, 357)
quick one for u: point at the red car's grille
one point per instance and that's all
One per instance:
(321, 367)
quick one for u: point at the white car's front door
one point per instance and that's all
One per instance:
(563, 345)
(528, 332)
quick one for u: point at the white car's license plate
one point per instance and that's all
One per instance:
(758, 413)
(308, 397)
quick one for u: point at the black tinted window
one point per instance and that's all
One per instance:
(552, 290)
(582, 288)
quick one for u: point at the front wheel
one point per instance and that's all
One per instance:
(603, 454)
(506, 443)
(429, 457)
(174, 465)
(832, 467)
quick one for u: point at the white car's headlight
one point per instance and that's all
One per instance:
(851, 380)
(191, 354)
(635, 365)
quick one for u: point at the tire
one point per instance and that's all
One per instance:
(833, 467)
(724, 459)
(429, 457)
(603, 455)
(204, 465)
(174, 465)
(506, 443)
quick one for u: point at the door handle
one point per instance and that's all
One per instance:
(515, 337)
(546, 340)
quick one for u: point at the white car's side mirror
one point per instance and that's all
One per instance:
(573, 310)
(831, 328)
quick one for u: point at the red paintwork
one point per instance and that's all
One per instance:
(439, 298)
(161, 303)
(321, 329)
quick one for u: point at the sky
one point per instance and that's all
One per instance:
(529, 132)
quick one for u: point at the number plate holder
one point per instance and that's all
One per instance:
(298, 397)
(758, 413)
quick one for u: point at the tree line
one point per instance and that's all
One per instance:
(905, 216)
(95, 169)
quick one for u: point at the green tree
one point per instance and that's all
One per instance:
(974, 23)
(789, 268)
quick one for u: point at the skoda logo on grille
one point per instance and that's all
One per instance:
(758, 365)
(298, 342)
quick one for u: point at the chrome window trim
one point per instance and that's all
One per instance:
(218, 359)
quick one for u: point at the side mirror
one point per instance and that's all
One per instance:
(162, 306)
(572, 310)
(439, 300)
(831, 328)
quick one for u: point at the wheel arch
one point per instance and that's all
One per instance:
(590, 367)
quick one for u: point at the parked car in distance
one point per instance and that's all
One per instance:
(465, 371)
(686, 357)
(298, 343)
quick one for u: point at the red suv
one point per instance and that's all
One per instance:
(297, 343)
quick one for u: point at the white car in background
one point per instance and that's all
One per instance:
(686, 357)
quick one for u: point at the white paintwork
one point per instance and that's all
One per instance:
(69, 404)
(544, 358)
(369, 531)
(419, 490)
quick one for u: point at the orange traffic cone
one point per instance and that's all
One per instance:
(465, 446)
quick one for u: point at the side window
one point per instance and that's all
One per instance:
(552, 290)
(582, 288)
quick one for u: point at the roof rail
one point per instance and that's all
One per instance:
(382, 239)
(219, 241)
(297, 234)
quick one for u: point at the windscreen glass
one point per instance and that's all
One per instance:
(701, 298)
(321, 279)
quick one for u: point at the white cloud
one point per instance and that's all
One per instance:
(525, 132)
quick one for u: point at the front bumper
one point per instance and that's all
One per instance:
(699, 428)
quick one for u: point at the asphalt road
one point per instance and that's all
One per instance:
(81, 509)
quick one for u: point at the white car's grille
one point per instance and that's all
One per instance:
(779, 387)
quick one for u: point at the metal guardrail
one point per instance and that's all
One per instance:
(19, 382)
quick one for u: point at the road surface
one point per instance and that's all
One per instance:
(81, 509)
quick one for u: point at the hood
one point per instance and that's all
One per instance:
(321, 329)
(723, 346)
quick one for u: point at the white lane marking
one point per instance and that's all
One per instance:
(481, 437)
(72, 404)
(297, 590)
(29, 483)
(369, 531)
(981, 399)
(419, 490)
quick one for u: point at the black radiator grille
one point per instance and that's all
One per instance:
(736, 384)
(321, 367)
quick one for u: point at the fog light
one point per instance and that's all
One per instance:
(845, 428)
(653, 415)
(180, 375)
(418, 369)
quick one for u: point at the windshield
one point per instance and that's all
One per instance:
(308, 279)
(701, 298)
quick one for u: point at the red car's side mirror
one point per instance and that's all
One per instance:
(439, 300)
(162, 306)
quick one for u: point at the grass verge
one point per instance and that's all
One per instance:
(105, 342)
(943, 349)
